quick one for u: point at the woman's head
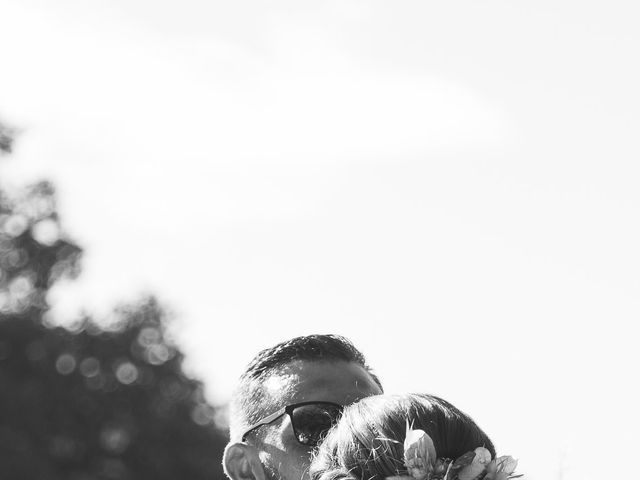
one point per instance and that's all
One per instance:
(367, 442)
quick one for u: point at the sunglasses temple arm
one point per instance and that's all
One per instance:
(265, 421)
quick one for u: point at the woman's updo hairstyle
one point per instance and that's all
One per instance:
(367, 442)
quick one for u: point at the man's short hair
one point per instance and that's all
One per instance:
(250, 400)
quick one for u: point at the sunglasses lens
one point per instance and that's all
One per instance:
(312, 422)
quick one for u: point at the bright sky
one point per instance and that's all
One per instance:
(452, 186)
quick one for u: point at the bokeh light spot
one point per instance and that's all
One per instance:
(15, 225)
(15, 259)
(115, 439)
(90, 367)
(202, 414)
(65, 364)
(157, 354)
(126, 373)
(46, 232)
(21, 286)
(148, 336)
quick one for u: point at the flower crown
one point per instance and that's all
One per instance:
(422, 463)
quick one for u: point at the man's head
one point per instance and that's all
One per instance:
(314, 368)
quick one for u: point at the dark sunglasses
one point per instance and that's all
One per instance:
(310, 420)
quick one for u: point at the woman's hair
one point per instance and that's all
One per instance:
(367, 442)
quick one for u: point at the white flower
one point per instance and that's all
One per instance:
(419, 453)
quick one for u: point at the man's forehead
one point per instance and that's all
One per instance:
(279, 382)
(336, 381)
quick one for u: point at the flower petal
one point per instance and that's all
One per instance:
(419, 453)
(481, 458)
(506, 464)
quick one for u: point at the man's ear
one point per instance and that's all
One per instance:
(241, 462)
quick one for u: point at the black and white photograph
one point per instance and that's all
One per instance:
(319, 240)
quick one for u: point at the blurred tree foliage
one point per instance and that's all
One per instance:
(91, 402)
